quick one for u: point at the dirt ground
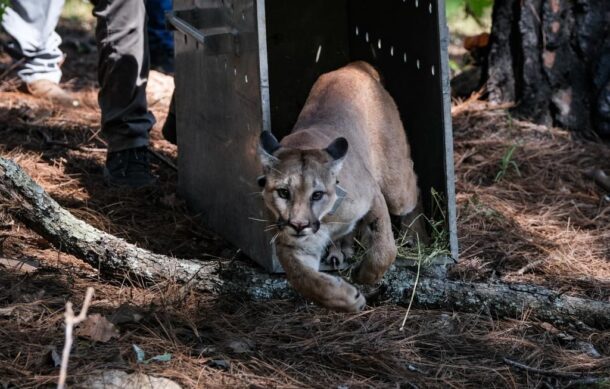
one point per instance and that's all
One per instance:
(537, 220)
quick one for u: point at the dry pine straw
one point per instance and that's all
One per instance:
(548, 226)
(547, 223)
(289, 344)
(278, 343)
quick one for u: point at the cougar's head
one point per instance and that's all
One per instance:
(299, 186)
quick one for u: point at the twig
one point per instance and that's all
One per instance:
(71, 321)
(12, 67)
(552, 373)
(402, 326)
(529, 267)
(49, 141)
(163, 159)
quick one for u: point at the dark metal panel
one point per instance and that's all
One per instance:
(219, 119)
(403, 40)
(443, 32)
(305, 39)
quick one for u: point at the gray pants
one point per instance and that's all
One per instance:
(123, 72)
(31, 24)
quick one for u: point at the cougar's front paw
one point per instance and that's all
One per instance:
(334, 257)
(351, 300)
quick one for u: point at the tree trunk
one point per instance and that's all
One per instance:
(552, 57)
(114, 256)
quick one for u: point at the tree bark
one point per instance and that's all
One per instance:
(552, 57)
(114, 256)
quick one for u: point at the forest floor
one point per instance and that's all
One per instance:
(538, 220)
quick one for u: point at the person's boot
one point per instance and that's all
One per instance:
(129, 168)
(46, 89)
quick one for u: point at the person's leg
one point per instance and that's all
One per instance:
(123, 72)
(31, 24)
(35, 44)
(160, 38)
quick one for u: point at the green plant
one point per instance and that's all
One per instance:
(78, 10)
(506, 162)
(424, 254)
(3, 5)
(419, 249)
(404, 320)
(472, 8)
(438, 243)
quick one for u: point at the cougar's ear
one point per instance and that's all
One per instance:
(267, 146)
(337, 150)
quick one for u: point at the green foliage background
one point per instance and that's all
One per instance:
(3, 5)
(474, 8)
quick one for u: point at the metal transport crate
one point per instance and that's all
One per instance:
(244, 66)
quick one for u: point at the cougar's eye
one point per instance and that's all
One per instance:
(317, 196)
(283, 193)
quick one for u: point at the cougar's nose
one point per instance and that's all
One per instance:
(299, 226)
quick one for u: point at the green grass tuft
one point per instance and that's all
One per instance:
(507, 162)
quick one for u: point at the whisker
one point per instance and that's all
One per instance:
(259, 220)
(270, 228)
(272, 241)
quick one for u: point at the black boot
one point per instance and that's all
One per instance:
(129, 168)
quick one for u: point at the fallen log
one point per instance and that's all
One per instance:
(114, 256)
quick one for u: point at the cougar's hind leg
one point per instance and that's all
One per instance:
(378, 240)
(399, 188)
(347, 246)
(340, 251)
(404, 203)
(412, 227)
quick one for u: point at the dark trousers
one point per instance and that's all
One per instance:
(123, 72)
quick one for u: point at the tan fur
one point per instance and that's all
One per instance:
(377, 173)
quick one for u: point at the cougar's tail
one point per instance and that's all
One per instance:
(367, 68)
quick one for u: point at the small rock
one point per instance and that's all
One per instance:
(241, 346)
(588, 349)
(118, 379)
(219, 364)
(126, 313)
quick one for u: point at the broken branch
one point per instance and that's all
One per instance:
(72, 321)
(114, 256)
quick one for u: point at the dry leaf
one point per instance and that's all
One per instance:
(8, 311)
(22, 312)
(23, 266)
(97, 328)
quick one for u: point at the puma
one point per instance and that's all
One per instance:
(349, 135)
